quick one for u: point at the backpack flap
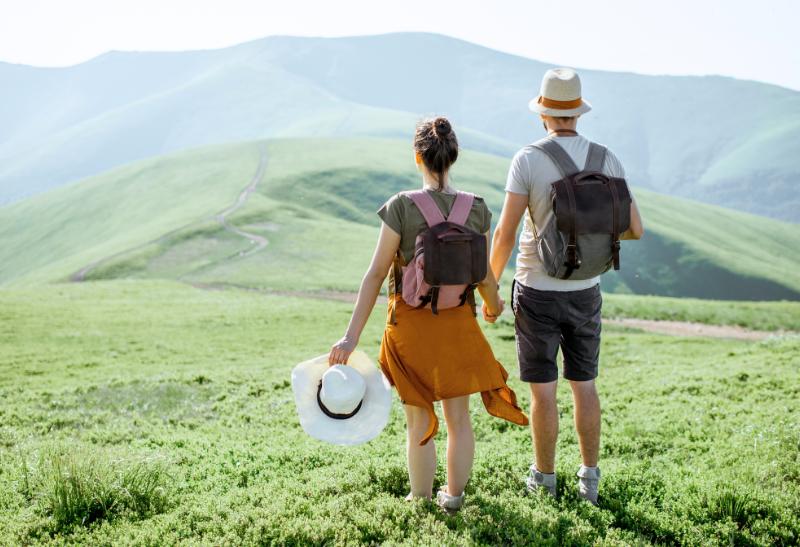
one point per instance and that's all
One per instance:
(594, 203)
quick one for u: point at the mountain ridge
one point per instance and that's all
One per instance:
(710, 138)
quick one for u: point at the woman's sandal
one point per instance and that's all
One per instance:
(450, 504)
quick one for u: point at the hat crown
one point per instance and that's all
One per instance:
(343, 388)
(561, 84)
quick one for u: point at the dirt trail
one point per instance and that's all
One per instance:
(685, 328)
(673, 328)
(259, 241)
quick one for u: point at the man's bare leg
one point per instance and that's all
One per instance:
(544, 425)
(587, 423)
(587, 420)
(544, 432)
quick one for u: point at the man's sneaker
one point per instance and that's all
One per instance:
(588, 483)
(451, 504)
(537, 479)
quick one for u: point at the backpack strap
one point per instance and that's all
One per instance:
(397, 263)
(615, 223)
(567, 167)
(594, 163)
(461, 208)
(430, 211)
(572, 263)
(595, 158)
(559, 157)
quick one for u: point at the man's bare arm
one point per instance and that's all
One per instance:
(636, 229)
(505, 234)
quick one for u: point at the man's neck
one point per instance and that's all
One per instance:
(562, 132)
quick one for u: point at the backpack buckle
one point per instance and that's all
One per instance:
(572, 257)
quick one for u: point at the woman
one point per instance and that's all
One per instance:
(431, 357)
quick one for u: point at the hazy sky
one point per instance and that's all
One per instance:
(753, 40)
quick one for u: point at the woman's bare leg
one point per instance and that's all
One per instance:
(421, 459)
(460, 444)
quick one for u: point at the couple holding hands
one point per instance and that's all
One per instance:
(434, 245)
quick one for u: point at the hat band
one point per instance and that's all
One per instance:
(560, 105)
(333, 415)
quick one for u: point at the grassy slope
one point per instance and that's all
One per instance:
(699, 445)
(747, 243)
(691, 249)
(51, 236)
(318, 198)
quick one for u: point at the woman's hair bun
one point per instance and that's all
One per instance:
(436, 142)
(441, 127)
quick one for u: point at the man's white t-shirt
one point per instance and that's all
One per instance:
(532, 173)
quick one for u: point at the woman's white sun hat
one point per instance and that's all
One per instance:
(560, 95)
(342, 404)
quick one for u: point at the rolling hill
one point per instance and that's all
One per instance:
(712, 139)
(315, 207)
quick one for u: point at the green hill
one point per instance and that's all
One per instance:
(717, 140)
(52, 236)
(315, 208)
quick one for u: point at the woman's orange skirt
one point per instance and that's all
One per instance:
(431, 357)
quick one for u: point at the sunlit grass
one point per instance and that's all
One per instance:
(699, 447)
(80, 485)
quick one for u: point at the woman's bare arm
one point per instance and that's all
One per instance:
(388, 243)
(487, 288)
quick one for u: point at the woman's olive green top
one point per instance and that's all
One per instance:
(402, 216)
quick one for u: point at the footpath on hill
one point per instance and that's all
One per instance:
(259, 242)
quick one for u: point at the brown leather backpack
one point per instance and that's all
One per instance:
(590, 211)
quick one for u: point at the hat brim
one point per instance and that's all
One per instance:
(535, 106)
(365, 425)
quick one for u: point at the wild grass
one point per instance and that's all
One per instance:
(79, 486)
(700, 446)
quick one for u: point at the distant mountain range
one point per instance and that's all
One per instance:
(719, 140)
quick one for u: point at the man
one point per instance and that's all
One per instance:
(553, 312)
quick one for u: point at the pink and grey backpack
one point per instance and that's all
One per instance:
(449, 258)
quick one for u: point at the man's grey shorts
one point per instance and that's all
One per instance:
(546, 320)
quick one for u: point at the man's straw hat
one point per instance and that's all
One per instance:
(560, 95)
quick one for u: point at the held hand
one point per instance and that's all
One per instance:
(341, 350)
(486, 315)
(489, 315)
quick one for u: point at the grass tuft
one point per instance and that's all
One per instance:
(81, 487)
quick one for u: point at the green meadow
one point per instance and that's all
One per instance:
(151, 412)
(151, 405)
